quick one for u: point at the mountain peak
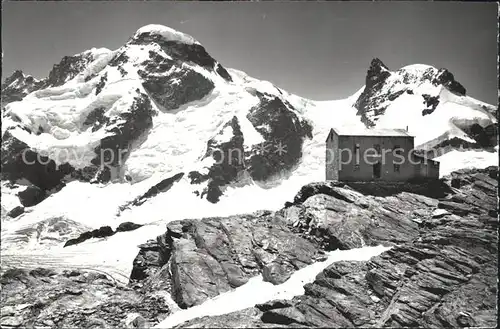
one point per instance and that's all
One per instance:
(166, 33)
(377, 63)
(377, 72)
(16, 75)
(18, 85)
(383, 86)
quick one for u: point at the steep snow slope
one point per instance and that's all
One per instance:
(159, 112)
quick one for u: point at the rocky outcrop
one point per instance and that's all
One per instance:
(127, 226)
(441, 273)
(284, 133)
(150, 259)
(229, 156)
(117, 61)
(485, 137)
(431, 102)
(102, 232)
(101, 84)
(247, 318)
(227, 252)
(96, 119)
(163, 186)
(424, 285)
(68, 68)
(346, 216)
(74, 299)
(125, 129)
(15, 212)
(172, 80)
(20, 162)
(171, 89)
(196, 260)
(375, 78)
(446, 78)
(377, 73)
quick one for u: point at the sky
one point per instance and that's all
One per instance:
(318, 50)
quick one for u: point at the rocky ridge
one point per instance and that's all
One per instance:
(441, 270)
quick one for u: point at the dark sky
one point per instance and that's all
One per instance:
(319, 50)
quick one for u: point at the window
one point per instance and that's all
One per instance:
(398, 149)
(377, 170)
(396, 168)
(377, 148)
(356, 167)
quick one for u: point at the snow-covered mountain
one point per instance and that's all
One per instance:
(430, 103)
(158, 130)
(17, 86)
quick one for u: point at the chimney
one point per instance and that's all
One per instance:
(406, 128)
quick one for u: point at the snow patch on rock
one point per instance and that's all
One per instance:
(257, 291)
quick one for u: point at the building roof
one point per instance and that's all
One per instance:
(350, 131)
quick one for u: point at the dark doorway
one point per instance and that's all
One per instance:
(377, 169)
